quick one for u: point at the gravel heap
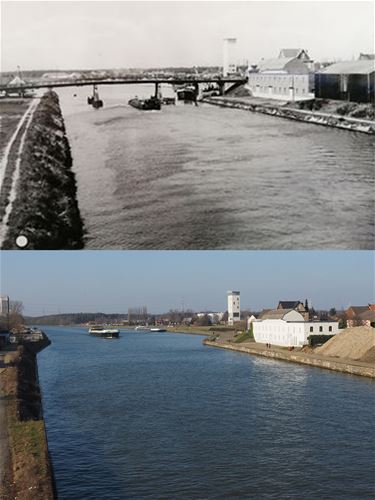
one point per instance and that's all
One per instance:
(357, 343)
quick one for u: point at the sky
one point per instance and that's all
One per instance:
(111, 281)
(117, 34)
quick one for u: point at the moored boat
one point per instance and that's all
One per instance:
(146, 104)
(186, 93)
(100, 331)
(158, 330)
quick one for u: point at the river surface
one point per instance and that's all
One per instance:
(204, 177)
(160, 416)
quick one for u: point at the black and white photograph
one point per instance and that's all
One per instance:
(187, 125)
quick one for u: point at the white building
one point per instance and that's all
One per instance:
(229, 46)
(4, 305)
(233, 307)
(288, 77)
(288, 328)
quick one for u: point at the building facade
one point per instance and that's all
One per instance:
(233, 307)
(229, 65)
(288, 328)
(288, 77)
(4, 305)
(348, 81)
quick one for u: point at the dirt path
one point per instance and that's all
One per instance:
(4, 159)
(27, 117)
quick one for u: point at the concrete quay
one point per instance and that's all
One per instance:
(279, 109)
(329, 363)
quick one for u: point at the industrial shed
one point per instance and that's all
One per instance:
(349, 81)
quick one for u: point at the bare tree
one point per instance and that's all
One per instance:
(15, 317)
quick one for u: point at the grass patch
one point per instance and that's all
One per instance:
(243, 337)
(27, 440)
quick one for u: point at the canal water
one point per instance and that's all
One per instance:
(161, 416)
(203, 177)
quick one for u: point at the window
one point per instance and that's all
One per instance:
(330, 328)
(236, 315)
(320, 328)
(344, 83)
(311, 328)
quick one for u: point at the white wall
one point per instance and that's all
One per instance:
(290, 333)
(233, 308)
(279, 86)
(229, 66)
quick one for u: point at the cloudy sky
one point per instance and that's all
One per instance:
(52, 282)
(107, 34)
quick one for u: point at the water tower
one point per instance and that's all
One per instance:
(229, 46)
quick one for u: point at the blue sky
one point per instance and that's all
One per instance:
(103, 34)
(112, 281)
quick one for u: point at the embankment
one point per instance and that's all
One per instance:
(29, 473)
(45, 208)
(282, 111)
(340, 365)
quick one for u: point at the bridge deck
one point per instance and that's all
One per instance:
(127, 81)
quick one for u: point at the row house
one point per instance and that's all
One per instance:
(360, 315)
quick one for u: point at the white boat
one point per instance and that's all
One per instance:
(158, 330)
(100, 331)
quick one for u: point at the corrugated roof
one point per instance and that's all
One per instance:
(362, 67)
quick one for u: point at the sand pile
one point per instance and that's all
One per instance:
(357, 343)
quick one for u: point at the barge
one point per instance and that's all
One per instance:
(153, 103)
(101, 331)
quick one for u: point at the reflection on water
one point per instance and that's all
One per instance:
(161, 416)
(206, 177)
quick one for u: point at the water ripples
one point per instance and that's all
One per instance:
(206, 178)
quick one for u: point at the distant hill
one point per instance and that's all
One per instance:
(74, 318)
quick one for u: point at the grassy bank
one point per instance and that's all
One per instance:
(29, 467)
(45, 209)
(200, 330)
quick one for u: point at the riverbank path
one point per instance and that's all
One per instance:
(26, 119)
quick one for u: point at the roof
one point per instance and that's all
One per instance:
(276, 64)
(368, 315)
(289, 304)
(366, 56)
(359, 309)
(276, 313)
(291, 52)
(360, 67)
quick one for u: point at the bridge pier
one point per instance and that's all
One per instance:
(157, 90)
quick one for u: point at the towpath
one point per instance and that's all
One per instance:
(26, 119)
